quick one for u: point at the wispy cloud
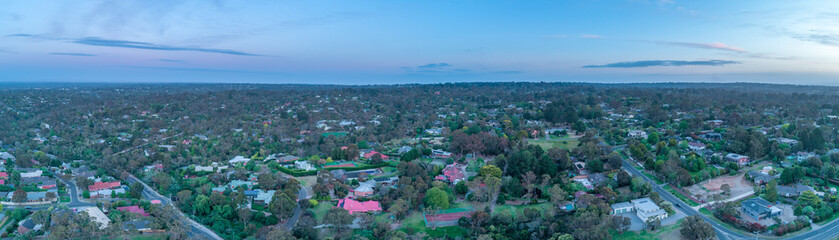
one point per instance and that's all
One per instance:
(101, 42)
(590, 36)
(715, 46)
(170, 60)
(434, 66)
(73, 54)
(663, 63)
(827, 39)
(94, 41)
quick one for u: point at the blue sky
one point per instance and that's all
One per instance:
(383, 42)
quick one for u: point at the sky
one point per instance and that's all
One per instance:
(429, 41)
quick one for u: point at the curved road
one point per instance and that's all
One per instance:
(197, 230)
(827, 231)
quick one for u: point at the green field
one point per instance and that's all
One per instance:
(415, 222)
(516, 210)
(681, 197)
(564, 143)
(320, 210)
(666, 232)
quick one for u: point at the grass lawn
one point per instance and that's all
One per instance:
(515, 210)
(565, 143)
(64, 199)
(681, 197)
(416, 222)
(655, 179)
(139, 237)
(320, 210)
(666, 232)
(706, 212)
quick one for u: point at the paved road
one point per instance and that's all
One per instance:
(197, 230)
(74, 194)
(297, 210)
(723, 233)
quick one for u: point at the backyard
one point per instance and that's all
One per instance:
(563, 143)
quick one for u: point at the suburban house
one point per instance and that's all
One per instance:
(264, 197)
(647, 210)
(139, 225)
(436, 153)
(28, 173)
(370, 154)
(695, 146)
(637, 134)
(715, 123)
(760, 209)
(794, 190)
(287, 158)
(760, 177)
(583, 179)
(802, 156)
(28, 225)
(96, 215)
(712, 136)
(622, 207)
(786, 141)
(597, 179)
(4, 175)
(48, 184)
(452, 173)
(365, 189)
(304, 166)
(134, 209)
(103, 185)
(6, 156)
(737, 158)
(404, 149)
(354, 206)
(199, 168)
(239, 159)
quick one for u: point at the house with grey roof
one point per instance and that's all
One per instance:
(647, 210)
(622, 207)
(794, 190)
(760, 209)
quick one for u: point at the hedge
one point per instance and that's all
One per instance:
(300, 173)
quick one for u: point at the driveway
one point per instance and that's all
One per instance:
(637, 224)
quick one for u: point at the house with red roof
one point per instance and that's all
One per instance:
(103, 185)
(370, 154)
(4, 175)
(134, 209)
(354, 206)
(453, 173)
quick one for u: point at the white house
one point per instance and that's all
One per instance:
(98, 216)
(304, 165)
(695, 146)
(30, 174)
(637, 134)
(239, 159)
(737, 158)
(203, 168)
(622, 207)
(647, 210)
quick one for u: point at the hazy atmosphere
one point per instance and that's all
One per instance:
(382, 42)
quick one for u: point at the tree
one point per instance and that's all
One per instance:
(808, 198)
(694, 228)
(726, 188)
(399, 208)
(339, 218)
(772, 191)
(621, 223)
(279, 234)
(19, 195)
(281, 204)
(490, 170)
(461, 188)
(136, 190)
(267, 181)
(623, 178)
(437, 198)
(557, 194)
